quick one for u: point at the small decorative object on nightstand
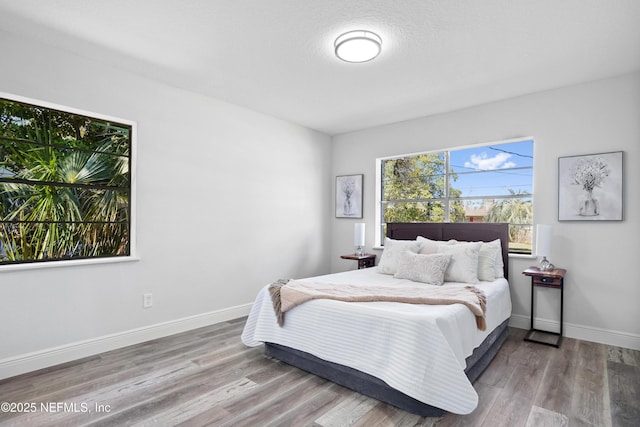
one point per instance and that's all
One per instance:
(358, 238)
(364, 260)
(547, 279)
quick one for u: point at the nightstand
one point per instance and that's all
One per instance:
(547, 279)
(364, 261)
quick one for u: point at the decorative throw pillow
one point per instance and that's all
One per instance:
(422, 268)
(392, 250)
(463, 266)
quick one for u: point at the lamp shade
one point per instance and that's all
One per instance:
(358, 234)
(543, 240)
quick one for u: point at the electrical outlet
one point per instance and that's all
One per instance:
(147, 300)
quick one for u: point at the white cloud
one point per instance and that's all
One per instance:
(484, 162)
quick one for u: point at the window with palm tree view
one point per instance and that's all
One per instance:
(489, 183)
(65, 186)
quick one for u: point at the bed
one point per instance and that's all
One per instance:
(420, 358)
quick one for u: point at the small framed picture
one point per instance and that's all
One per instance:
(590, 187)
(349, 196)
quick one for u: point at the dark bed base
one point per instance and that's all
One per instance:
(375, 387)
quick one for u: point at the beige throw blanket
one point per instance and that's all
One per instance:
(287, 294)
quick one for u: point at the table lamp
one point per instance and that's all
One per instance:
(543, 246)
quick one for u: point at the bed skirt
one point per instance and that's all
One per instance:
(375, 387)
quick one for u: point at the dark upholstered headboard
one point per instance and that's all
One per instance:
(470, 232)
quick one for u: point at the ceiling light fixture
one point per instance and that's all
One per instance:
(358, 46)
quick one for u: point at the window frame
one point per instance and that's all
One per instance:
(84, 260)
(379, 225)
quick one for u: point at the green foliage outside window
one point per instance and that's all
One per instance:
(414, 189)
(477, 184)
(64, 185)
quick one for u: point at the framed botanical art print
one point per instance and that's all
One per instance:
(349, 196)
(590, 187)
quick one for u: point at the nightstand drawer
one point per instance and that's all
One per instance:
(551, 282)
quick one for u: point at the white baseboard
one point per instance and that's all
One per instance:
(586, 333)
(53, 356)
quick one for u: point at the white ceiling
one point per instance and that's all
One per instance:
(277, 56)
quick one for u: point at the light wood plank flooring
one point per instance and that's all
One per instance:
(208, 377)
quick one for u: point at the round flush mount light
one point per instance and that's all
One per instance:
(358, 46)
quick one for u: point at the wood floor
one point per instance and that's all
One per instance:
(208, 377)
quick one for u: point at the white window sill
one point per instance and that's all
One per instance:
(522, 256)
(66, 263)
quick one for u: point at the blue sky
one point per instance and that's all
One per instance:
(491, 170)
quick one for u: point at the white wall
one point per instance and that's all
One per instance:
(602, 292)
(228, 200)
(260, 201)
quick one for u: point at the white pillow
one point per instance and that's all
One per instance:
(490, 264)
(463, 266)
(428, 246)
(499, 265)
(489, 257)
(422, 268)
(393, 249)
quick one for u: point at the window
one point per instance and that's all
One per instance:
(488, 183)
(65, 185)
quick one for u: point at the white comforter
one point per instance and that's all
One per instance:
(419, 350)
